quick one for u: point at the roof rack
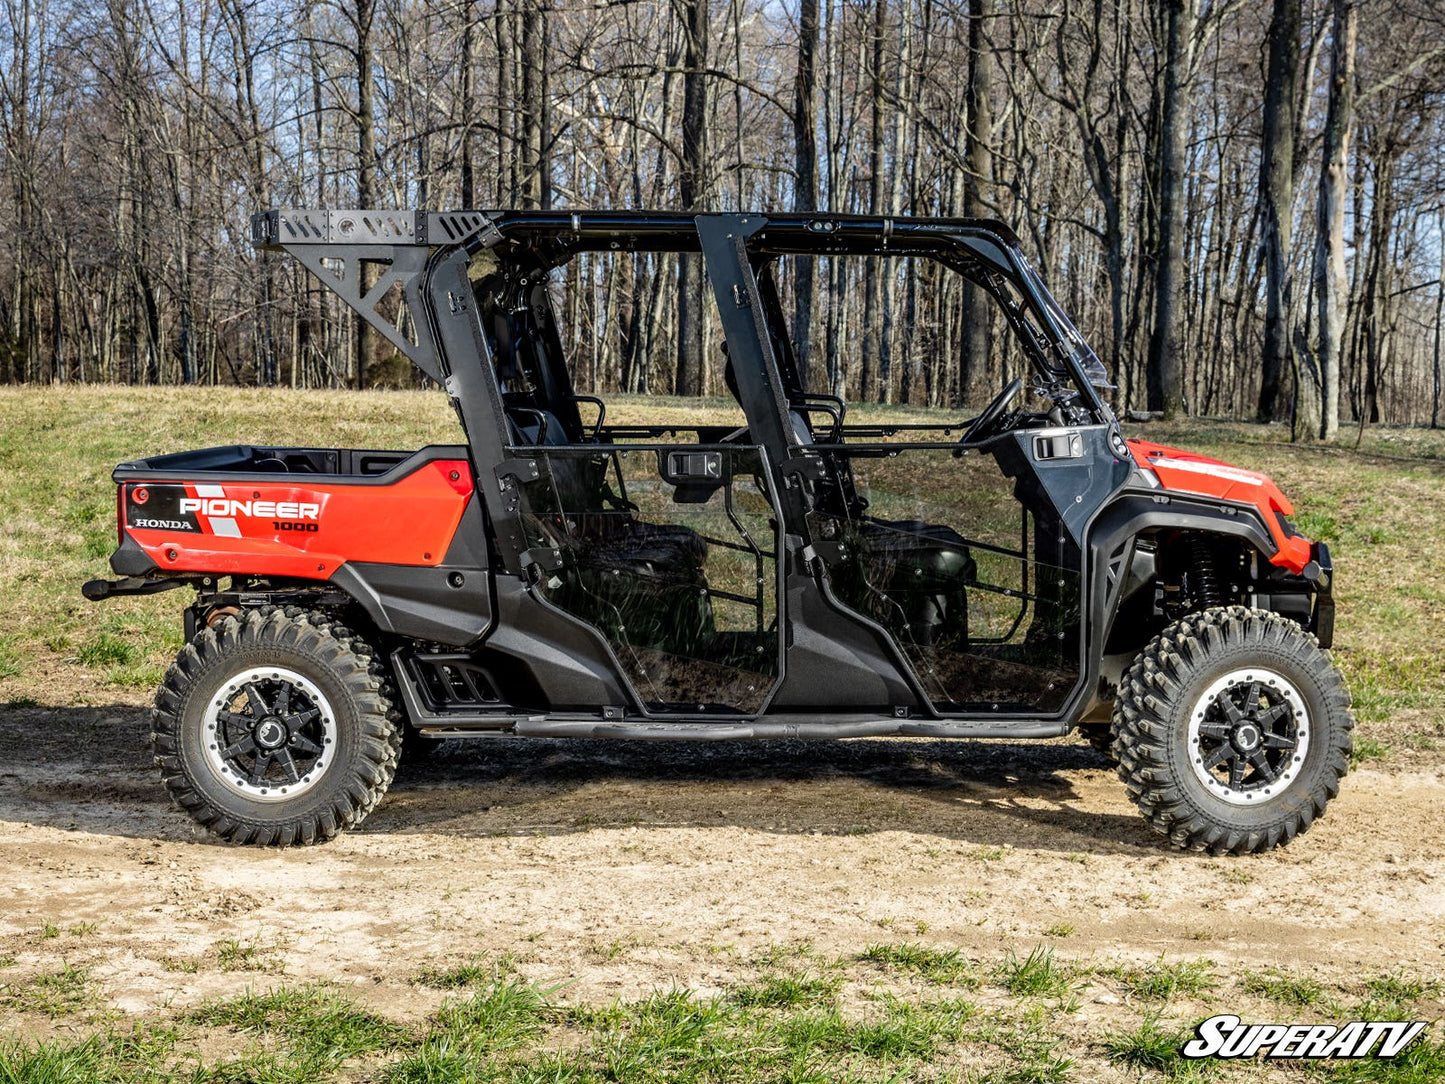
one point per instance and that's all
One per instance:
(282, 229)
(335, 246)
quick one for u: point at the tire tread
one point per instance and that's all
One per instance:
(1142, 726)
(354, 662)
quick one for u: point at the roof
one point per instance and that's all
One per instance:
(587, 229)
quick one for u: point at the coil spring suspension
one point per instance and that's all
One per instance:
(1203, 580)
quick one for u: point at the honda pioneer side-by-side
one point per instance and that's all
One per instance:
(1019, 573)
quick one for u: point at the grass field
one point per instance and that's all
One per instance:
(892, 1013)
(967, 991)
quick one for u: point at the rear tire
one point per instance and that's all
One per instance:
(275, 728)
(1232, 730)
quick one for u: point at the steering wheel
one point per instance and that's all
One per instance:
(980, 426)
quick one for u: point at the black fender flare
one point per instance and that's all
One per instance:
(1109, 545)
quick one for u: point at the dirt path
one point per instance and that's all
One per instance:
(620, 867)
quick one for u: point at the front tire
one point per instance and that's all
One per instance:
(275, 728)
(1232, 729)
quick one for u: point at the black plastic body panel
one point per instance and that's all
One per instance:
(545, 660)
(130, 560)
(1136, 511)
(1324, 616)
(1308, 599)
(1076, 487)
(833, 659)
(449, 604)
(1133, 512)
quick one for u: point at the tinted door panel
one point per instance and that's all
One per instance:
(671, 553)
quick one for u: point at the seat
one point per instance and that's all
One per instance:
(913, 570)
(532, 426)
(641, 583)
(924, 569)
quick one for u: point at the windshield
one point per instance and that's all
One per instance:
(1071, 342)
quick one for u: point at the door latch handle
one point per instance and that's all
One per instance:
(1065, 445)
(695, 466)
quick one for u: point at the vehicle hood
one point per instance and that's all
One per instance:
(1188, 472)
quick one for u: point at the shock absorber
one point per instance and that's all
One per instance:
(1203, 580)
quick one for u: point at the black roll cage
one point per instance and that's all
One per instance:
(412, 245)
(429, 255)
(984, 251)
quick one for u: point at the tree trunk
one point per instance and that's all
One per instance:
(506, 94)
(536, 187)
(249, 114)
(692, 186)
(1329, 269)
(469, 107)
(834, 36)
(1373, 319)
(902, 92)
(17, 338)
(973, 361)
(1276, 193)
(1439, 325)
(1166, 344)
(873, 281)
(365, 165)
(805, 168)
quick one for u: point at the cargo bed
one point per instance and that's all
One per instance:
(257, 462)
(293, 512)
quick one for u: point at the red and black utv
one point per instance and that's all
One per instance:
(1018, 574)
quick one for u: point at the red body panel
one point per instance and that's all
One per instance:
(289, 528)
(1188, 472)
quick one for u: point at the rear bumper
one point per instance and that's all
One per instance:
(130, 560)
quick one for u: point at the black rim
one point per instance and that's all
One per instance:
(268, 732)
(1248, 738)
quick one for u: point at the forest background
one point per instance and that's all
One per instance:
(1240, 203)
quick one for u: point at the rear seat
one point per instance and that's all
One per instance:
(613, 540)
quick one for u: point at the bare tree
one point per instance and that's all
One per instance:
(535, 166)
(978, 92)
(805, 170)
(874, 343)
(1329, 264)
(1166, 345)
(691, 187)
(1439, 326)
(1276, 188)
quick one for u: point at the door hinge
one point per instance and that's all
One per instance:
(544, 559)
(523, 470)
